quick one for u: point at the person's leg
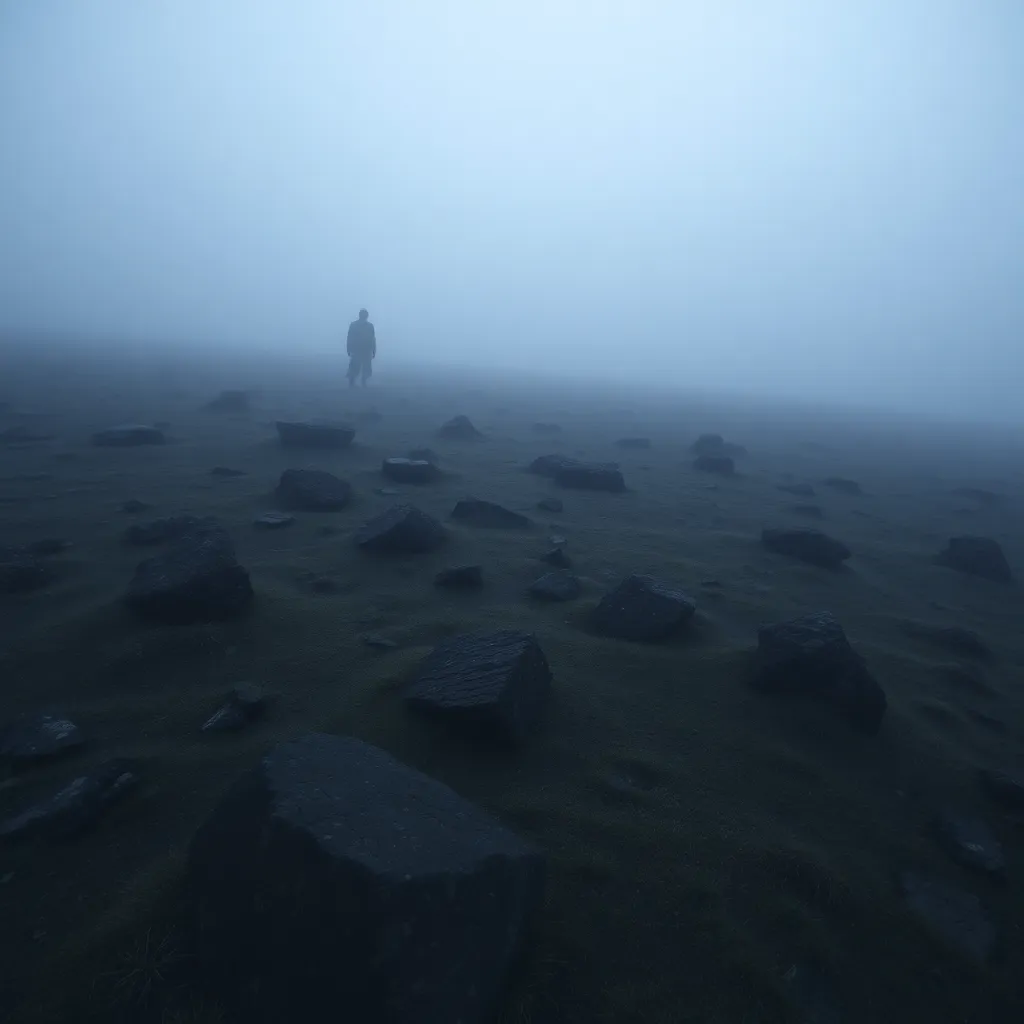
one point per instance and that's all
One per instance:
(367, 370)
(353, 370)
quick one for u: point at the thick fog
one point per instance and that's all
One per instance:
(816, 197)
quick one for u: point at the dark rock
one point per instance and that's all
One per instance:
(590, 476)
(721, 464)
(956, 916)
(312, 434)
(324, 585)
(133, 506)
(476, 512)
(409, 471)
(381, 643)
(334, 879)
(811, 656)
(20, 434)
(550, 505)
(243, 705)
(425, 455)
(557, 557)
(955, 639)
(980, 495)
(1002, 789)
(546, 428)
(48, 546)
(21, 571)
(556, 540)
(970, 842)
(78, 806)
(460, 576)
(230, 401)
(159, 531)
(492, 683)
(807, 545)
(129, 436)
(313, 490)
(459, 429)
(273, 521)
(226, 471)
(642, 608)
(976, 556)
(38, 737)
(716, 445)
(807, 511)
(634, 442)
(195, 579)
(549, 465)
(556, 586)
(842, 485)
(800, 490)
(402, 529)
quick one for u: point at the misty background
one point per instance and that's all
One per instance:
(817, 198)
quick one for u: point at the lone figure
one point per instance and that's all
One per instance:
(362, 349)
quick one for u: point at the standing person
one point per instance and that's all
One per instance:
(362, 349)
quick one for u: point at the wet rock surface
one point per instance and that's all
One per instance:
(643, 609)
(402, 529)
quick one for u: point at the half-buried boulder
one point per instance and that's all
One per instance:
(402, 529)
(128, 436)
(811, 546)
(715, 444)
(488, 684)
(811, 656)
(410, 471)
(313, 490)
(459, 428)
(229, 402)
(556, 586)
(460, 577)
(723, 465)
(197, 578)
(32, 738)
(590, 476)
(642, 609)
(477, 512)
(976, 556)
(334, 879)
(314, 434)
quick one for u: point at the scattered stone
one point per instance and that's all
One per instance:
(494, 683)
(243, 705)
(976, 556)
(159, 531)
(634, 442)
(811, 656)
(558, 558)
(460, 577)
(591, 476)
(438, 896)
(842, 485)
(128, 436)
(716, 445)
(133, 506)
(381, 643)
(226, 471)
(459, 429)
(409, 471)
(550, 505)
(78, 806)
(956, 916)
(313, 490)
(273, 520)
(970, 842)
(800, 490)
(1002, 788)
(721, 464)
(402, 529)
(556, 540)
(196, 579)
(230, 402)
(21, 571)
(808, 511)
(313, 434)
(642, 609)
(556, 586)
(955, 639)
(425, 455)
(546, 428)
(38, 737)
(476, 512)
(807, 545)
(323, 585)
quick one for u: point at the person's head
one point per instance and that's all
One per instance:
(363, 314)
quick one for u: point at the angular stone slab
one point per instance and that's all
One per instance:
(131, 435)
(976, 556)
(556, 586)
(410, 471)
(488, 514)
(643, 609)
(723, 465)
(313, 490)
(459, 428)
(466, 577)
(32, 738)
(402, 529)
(591, 476)
(806, 545)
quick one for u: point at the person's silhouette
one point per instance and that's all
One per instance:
(362, 349)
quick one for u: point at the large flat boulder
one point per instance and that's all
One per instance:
(976, 556)
(590, 476)
(402, 529)
(643, 609)
(477, 512)
(716, 446)
(196, 578)
(313, 490)
(486, 683)
(410, 471)
(723, 465)
(811, 656)
(335, 882)
(806, 545)
(129, 435)
(314, 434)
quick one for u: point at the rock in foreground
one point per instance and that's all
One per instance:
(460, 577)
(811, 656)
(976, 556)
(811, 546)
(723, 465)
(477, 512)
(410, 471)
(402, 529)
(556, 586)
(716, 445)
(314, 434)
(38, 737)
(128, 436)
(313, 490)
(642, 609)
(334, 881)
(196, 579)
(488, 684)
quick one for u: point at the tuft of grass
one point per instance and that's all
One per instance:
(146, 972)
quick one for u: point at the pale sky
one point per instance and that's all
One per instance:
(817, 197)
